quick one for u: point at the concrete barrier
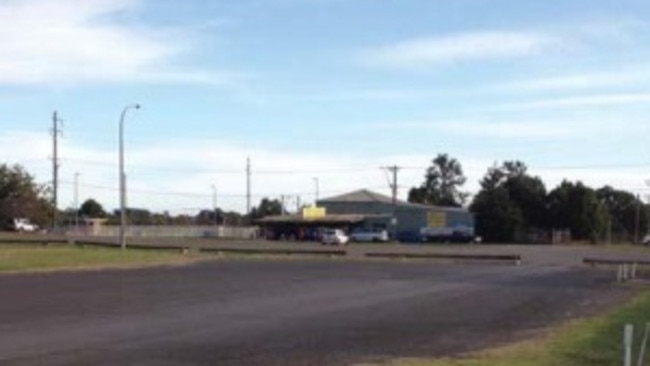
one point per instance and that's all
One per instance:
(516, 259)
(265, 251)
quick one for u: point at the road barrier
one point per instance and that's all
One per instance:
(513, 258)
(265, 251)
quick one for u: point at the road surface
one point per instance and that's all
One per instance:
(286, 312)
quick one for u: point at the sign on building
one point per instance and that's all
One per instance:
(436, 219)
(313, 212)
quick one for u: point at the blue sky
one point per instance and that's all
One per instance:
(332, 89)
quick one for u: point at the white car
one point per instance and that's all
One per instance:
(334, 237)
(370, 236)
(23, 225)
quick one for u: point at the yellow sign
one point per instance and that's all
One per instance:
(313, 212)
(436, 219)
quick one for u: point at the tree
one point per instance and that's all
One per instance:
(91, 209)
(442, 182)
(267, 207)
(21, 197)
(576, 207)
(622, 208)
(510, 204)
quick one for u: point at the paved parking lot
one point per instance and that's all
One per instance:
(288, 312)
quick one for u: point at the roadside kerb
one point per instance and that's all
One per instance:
(512, 258)
(174, 248)
(331, 253)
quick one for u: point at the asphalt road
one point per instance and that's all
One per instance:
(292, 312)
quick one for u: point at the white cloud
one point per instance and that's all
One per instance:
(71, 41)
(177, 175)
(627, 76)
(461, 47)
(577, 101)
(551, 129)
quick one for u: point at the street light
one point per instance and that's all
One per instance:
(214, 205)
(123, 177)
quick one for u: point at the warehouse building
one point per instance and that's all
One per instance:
(369, 211)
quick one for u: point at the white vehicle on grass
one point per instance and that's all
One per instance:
(370, 236)
(646, 240)
(22, 225)
(334, 237)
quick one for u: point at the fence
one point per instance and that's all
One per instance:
(232, 232)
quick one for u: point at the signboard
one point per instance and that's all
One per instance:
(436, 219)
(313, 212)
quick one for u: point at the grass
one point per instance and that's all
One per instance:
(24, 257)
(588, 342)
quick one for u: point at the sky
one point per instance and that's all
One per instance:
(320, 92)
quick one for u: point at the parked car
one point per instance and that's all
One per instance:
(21, 225)
(334, 237)
(456, 234)
(369, 236)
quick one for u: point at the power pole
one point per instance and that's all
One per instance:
(55, 167)
(393, 185)
(393, 170)
(76, 201)
(298, 205)
(637, 222)
(317, 191)
(214, 205)
(248, 186)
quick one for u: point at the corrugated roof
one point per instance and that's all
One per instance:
(362, 195)
(365, 196)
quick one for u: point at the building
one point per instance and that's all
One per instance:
(369, 211)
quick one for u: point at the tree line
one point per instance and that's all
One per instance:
(510, 206)
(514, 206)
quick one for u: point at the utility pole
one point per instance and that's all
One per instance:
(214, 205)
(317, 191)
(298, 205)
(393, 170)
(637, 222)
(55, 167)
(76, 201)
(248, 186)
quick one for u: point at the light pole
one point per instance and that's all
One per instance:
(317, 189)
(214, 205)
(123, 177)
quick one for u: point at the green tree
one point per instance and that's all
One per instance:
(622, 208)
(442, 182)
(577, 207)
(20, 196)
(267, 207)
(91, 209)
(510, 206)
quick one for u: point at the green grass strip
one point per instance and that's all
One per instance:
(20, 258)
(595, 341)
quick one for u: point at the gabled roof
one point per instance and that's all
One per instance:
(362, 195)
(365, 196)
